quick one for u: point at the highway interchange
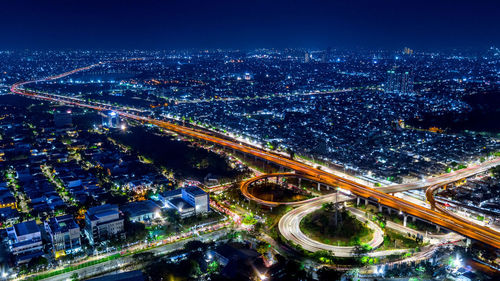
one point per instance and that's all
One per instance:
(438, 217)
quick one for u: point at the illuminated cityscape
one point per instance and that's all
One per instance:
(140, 141)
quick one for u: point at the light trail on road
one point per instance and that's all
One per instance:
(479, 233)
(289, 227)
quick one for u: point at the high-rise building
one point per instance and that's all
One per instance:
(307, 57)
(325, 56)
(111, 119)
(407, 51)
(399, 81)
(392, 83)
(406, 82)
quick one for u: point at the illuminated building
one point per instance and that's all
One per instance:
(407, 51)
(7, 200)
(196, 198)
(141, 211)
(399, 82)
(103, 222)
(111, 120)
(25, 241)
(64, 234)
(187, 201)
(392, 83)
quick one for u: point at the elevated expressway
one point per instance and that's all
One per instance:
(289, 224)
(429, 194)
(443, 179)
(479, 233)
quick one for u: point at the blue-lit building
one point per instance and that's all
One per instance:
(196, 198)
(399, 82)
(104, 222)
(111, 119)
(25, 241)
(187, 201)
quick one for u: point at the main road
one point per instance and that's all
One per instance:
(479, 233)
(443, 179)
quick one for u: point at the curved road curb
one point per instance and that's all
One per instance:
(289, 226)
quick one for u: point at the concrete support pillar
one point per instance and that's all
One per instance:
(388, 210)
(413, 219)
(300, 182)
(357, 201)
(277, 179)
(438, 228)
(468, 242)
(366, 202)
(380, 208)
(319, 185)
(404, 220)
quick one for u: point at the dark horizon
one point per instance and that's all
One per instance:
(158, 25)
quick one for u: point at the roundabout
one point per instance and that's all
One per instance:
(289, 224)
(289, 227)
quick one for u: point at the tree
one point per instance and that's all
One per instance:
(326, 273)
(172, 216)
(195, 246)
(262, 248)
(135, 231)
(358, 250)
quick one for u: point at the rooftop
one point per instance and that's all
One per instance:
(195, 190)
(138, 208)
(62, 223)
(27, 227)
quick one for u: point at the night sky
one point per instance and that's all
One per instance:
(146, 24)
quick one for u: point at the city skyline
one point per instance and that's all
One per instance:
(249, 140)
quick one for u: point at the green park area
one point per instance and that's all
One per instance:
(395, 240)
(184, 159)
(348, 231)
(277, 193)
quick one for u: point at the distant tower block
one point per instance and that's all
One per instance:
(307, 57)
(399, 81)
(407, 51)
(111, 119)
